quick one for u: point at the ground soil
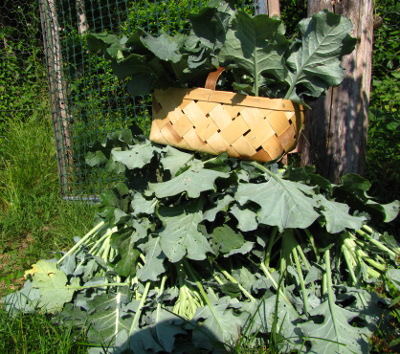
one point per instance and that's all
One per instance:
(12, 265)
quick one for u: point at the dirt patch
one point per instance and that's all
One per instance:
(11, 264)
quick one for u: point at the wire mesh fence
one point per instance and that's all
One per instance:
(87, 101)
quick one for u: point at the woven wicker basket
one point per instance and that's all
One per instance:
(247, 127)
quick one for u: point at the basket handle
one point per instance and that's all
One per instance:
(212, 78)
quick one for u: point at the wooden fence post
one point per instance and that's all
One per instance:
(335, 135)
(57, 87)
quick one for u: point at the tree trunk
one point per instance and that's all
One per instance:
(335, 134)
(81, 16)
(270, 7)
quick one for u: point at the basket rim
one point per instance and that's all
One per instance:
(232, 98)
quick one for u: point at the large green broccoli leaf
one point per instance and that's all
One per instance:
(180, 236)
(256, 45)
(314, 61)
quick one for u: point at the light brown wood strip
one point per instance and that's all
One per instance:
(216, 121)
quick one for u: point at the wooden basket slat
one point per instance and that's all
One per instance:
(287, 139)
(262, 133)
(273, 146)
(220, 116)
(243, 145)
(206, 128)
(253, 117)
(206, 106)
(279, 122)
(183, 125)
(219, 145)
(235, 130)
(248, 127)
(194, 113)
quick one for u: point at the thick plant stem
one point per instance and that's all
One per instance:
(265, 170)
(99, 243)
(162, 286)
(159, 293)
(218, 279)
(201, 289)
(199, 285)
(327, 259)
(135, 322)
(95, 286)
(350, 265)
(303, 257)
(271, 243)
(371, 261)
(302, 285)
(314, 246)
(377, 243)
(275, 285)
(359, 256)
(291, 88)
(82, 241)
(188, 300)
(233, 280)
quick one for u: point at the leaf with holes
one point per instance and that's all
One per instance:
(180, 236)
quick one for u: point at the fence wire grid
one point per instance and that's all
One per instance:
(47, 39)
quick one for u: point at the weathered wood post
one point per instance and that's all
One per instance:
(335, 135)
(57, 87)
(269, 7)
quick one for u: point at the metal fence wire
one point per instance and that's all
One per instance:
(87, 100)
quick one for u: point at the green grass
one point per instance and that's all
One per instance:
(34, 222)
(37, 334)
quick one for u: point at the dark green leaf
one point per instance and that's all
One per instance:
(174, 159)
(131, 65)
(124, 243)
(231, 289)
(247, 218)
(165, 47)
(193, 181)
(141, 205)
(105, 318)
(137, 156)
(220, 324)
(220, 206)
(101, 41)
(154, 259)
(256, 46)
(180, 236)
(142, 84)
(337, 216)
(94, 159)
(315, 61)
(282, 203)
(335, 334)
(227, 239)
(166, 327)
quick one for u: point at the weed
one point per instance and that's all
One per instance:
(34, 220)
(37, 334)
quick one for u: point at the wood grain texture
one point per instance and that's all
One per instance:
(335, 134)
(247, 127)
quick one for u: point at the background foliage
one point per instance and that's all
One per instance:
(22, 72)
(383, 157)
